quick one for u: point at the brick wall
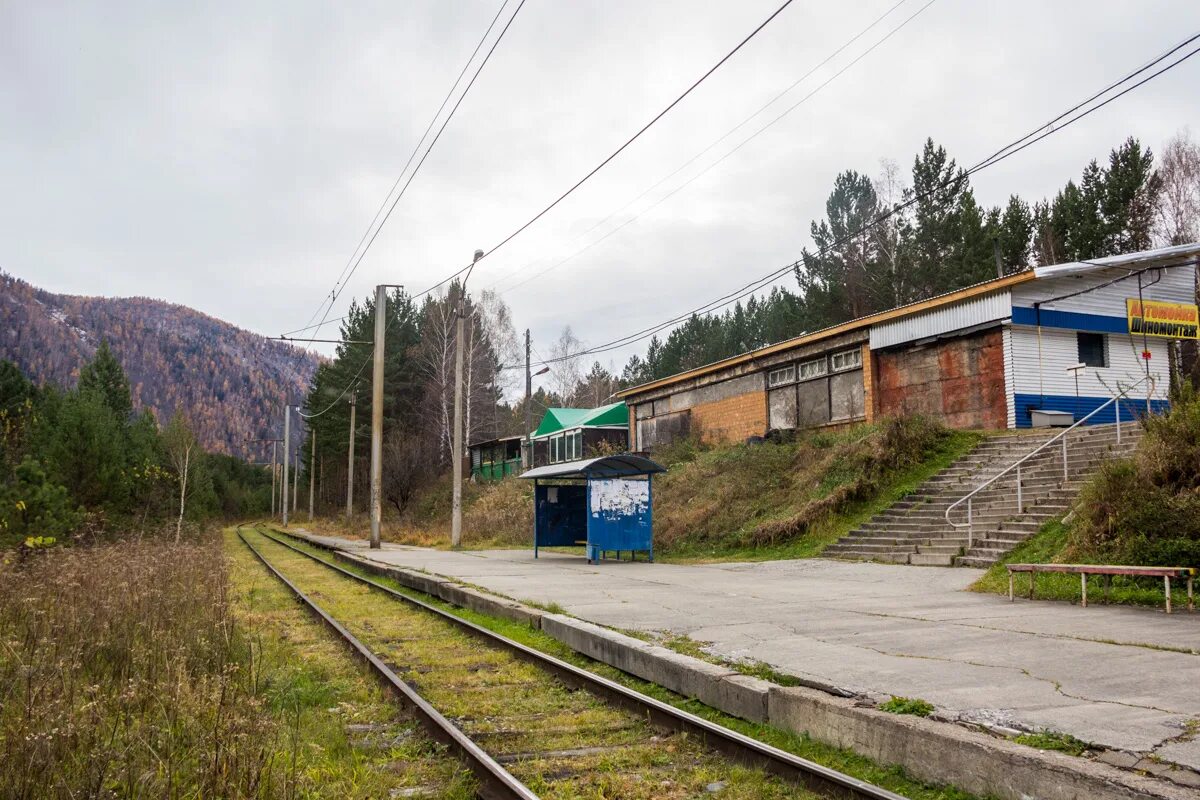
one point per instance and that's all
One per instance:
(959, 381)
(731, 419)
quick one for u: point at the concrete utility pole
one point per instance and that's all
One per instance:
(526, 442)
(312, 474)
(457, 455)
(377, 415)
(274, 475)
(350, 461)
(287, 449)
(295, 478)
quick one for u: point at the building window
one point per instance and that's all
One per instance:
(1091, 349)
(556, 449)
(778, 377)
(849, 359)
(813, 369)
(573, 446)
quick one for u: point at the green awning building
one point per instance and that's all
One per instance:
(570, 434)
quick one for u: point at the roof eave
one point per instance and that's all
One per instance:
(918, 307)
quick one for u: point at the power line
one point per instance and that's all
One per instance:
(616, 152)
(352, 263)
(1039, 133)
(707, 149)
(738, 147)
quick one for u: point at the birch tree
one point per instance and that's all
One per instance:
(180, 445)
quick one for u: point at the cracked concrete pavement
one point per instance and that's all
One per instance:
(1121, 677)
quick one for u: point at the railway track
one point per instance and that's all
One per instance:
(530, 725)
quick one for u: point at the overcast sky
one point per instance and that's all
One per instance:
(229, 156)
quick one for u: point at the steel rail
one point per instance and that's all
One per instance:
(497, 783)
(739, 747)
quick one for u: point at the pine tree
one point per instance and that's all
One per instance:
(105, 376)
(1014, 235)
(1129, 199)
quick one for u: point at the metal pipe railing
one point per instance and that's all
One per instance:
(969, 496)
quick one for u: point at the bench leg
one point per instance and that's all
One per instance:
(1032, 576)
(1107, 587)
(1167, 587)
(1083, 586)
(1191, 602)
(1010, 587)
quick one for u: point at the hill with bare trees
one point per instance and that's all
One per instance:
(229, 381)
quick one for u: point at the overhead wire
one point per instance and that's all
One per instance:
(603, 163)
(1029, 139)
(715, 142)
(360, 251)
(738, 147)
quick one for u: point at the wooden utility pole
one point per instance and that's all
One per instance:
(312, 474)
(350, 461)
(377, 415)
(287, 451)
(526, 442)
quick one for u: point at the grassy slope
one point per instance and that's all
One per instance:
(777, 499)
(711, 507)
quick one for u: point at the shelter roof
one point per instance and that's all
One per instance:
(618, 466)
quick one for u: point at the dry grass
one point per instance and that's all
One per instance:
(122, 674)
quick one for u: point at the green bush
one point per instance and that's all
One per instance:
(33, 505)
(1146, 509)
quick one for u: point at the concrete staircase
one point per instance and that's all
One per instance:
(914, 530)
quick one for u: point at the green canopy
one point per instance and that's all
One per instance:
(561, 419)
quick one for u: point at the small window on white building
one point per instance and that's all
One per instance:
(1091, 349)
(848, 359)
(778, 377)
(813, 369)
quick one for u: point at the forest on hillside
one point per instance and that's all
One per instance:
(230, 381)
(934, 237)
(83, 462)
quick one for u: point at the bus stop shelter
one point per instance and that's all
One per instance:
(604, 504)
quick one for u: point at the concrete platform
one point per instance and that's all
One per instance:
(1120, 677)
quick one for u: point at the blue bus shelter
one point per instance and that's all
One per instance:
(604, 504)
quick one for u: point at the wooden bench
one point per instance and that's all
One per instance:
(1083, 570)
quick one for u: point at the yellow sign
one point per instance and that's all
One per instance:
(1165, 320)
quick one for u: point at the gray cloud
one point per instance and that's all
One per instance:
(228, 156)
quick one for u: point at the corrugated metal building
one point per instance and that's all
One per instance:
(980, 357)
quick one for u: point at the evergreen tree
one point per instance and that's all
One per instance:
(934, 243)
(842, 279)
(1129, 199)
(86, 450)
(104, 375)
(1014, 235)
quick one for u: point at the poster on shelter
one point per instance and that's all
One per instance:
(619, 497)
(1161, 319)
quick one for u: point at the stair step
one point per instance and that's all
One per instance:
(931, 559)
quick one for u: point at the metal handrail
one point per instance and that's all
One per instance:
(1016, 465)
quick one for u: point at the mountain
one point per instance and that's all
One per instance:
(229, 381)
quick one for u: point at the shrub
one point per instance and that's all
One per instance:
(33, 505)
(1146, 509)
